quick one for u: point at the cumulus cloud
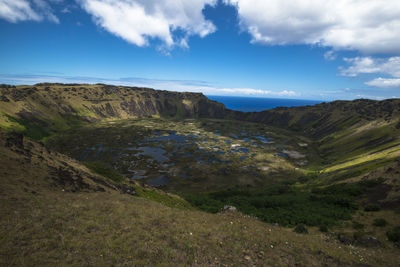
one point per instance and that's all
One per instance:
(370, 65)
(384, 83)
(137, 21)
(22, 10)
(366, 25)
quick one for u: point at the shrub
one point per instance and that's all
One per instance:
(323, 228)
(301, 229)
(372, 207)
(380, 222)
(358, 226)
(394, 234)
(359, 234)
(286, 205)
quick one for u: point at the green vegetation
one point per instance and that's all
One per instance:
(323, 228)
(358, 226)
(104, 170)
(172, 201)
(380, 222)
(289, 206)
(301, 229)
(30, 129)
(372, 207)
(394, 234)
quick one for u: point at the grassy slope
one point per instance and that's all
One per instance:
(42, 222)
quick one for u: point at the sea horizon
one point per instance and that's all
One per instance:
(254, 104)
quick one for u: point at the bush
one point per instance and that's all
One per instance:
(359, 234)
(380, 222)
(394, 234)
(358, 226)
(287, 205)
(323, 228)
(301, 229)
(372, 207)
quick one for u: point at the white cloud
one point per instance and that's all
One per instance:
(170, 85)
(330, 55)
(65, 10)
(370, 65)
(369, 26)
(370, 97)
(384, 83)
(22, 10)
(137, 21)
(257, 92)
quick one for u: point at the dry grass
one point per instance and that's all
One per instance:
(111, 229)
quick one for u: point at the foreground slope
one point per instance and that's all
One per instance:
(49, 217)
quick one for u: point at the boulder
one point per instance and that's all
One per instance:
(368, 241)
(228, 208)
(345, 239)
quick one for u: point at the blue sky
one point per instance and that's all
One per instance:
(267, 48)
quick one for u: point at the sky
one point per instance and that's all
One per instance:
(298, 49)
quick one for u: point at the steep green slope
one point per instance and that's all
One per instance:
(327, 118)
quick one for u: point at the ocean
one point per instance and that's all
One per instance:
(248, 104)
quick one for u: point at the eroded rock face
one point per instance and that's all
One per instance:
(363, 241)
(15, 139)
(4, 98)
(68, 180)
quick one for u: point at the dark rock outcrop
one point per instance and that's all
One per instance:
(15, 140)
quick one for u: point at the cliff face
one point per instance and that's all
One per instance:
(105, 101)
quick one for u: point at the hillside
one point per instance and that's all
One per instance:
(100, 175)
(63, 214)
(46, 108)
(326, 118)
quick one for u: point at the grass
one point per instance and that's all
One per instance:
(168, 200)
(90, 229)
(105, 170)
(387, 154)
(29, 129)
